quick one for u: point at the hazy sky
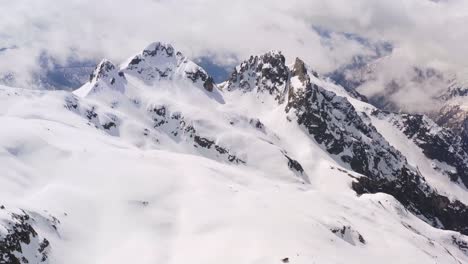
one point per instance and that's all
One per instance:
(423, 32)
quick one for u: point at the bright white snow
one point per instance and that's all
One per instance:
(134, 193)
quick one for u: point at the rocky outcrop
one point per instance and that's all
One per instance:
(334, 124)
(20, 240)
(455, 118)
(106, 76)
(159, 62)
(108, 122)
(175, 125)
(265, 74)
(349, 136)
(349, 235)
(437, 143)
(412, 191)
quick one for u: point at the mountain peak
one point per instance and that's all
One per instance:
(158, 48)
(266, 74)
(160, 61)
(299, 69)
(102, 70)
(105, 76)
(156, 62)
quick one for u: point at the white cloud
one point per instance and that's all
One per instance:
(423, 31)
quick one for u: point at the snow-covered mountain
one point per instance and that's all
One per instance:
(151, 161)
(454, 111)
(391, 86)
(447, 93)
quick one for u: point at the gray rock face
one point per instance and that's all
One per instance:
(266, 74)
(437, 143)
(182, 129)
(455, 118)
(333, 122)
(20, 240)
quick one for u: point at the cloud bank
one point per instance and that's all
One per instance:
(422, 32)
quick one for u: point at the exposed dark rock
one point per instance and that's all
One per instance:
(437, 143)
(299, 70)
(267, 73)
(361, 239)
(209, 84)
(460, 243)
(199, 74)
(135, 61)
(102, 70)
(334, 123)
(257, 124)
(158, 48)
(91, 114)
(454, 118)
(413, 192)
(160, 61)
(109, 125)
(203, 142)
(181, 129)
(71, 103)
(42, 249)
(20, 231)
(348, 234)
(294, 164)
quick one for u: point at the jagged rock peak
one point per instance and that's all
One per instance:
(266, 73)
(160, 61)
(104, 70)
(299, 69)
(436, 143)
(155, 54)
(105, 77)
(159, 48)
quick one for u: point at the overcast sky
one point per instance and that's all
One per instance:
(423, 32)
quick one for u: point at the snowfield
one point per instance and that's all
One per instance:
(169, 168)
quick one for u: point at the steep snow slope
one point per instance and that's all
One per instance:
(454, 113)
(325, 113)
(151, 162)
(447, 92)
(438, 153)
